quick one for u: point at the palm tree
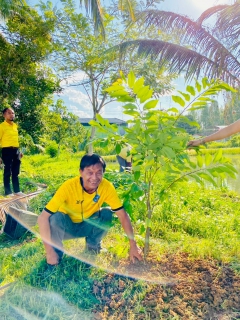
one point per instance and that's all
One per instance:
(95, 9)
(212, 52)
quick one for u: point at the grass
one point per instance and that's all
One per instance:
(214, 150)
(204, 223)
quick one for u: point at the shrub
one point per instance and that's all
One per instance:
(52, 149)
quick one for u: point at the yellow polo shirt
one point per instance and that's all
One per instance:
(71, 199)
(124, 153)
(8, 135)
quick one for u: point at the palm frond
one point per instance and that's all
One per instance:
(126, 4)
(194, 35)
(228, 23)
(210, 12)
(190, 32)
(94, 8)
(180, 59)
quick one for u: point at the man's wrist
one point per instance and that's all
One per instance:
(203, 141)
(132, 241)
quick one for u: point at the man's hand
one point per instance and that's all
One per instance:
(194, 143)
(20, 155)
(1, 161)
(52, 257)
(135, 252)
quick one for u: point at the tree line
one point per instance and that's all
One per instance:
(43, 47)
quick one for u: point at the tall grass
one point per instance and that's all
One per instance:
(193, 152)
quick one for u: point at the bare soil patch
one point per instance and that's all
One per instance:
(178, 288)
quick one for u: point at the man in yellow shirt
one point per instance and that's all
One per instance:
(10, 151)
(75, 211)
(124, 158)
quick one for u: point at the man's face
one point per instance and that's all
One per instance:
(9, 115)
(92, 176)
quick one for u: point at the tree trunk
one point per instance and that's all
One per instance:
(148, 229)
(90, 146)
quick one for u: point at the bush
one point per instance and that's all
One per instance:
(52, 149)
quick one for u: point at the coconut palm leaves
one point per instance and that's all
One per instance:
(212, 52)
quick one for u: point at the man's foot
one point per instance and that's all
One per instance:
(93, 249)
(19, 193)
(51, 267)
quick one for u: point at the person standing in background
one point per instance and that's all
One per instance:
(10, 152)
(124, 158)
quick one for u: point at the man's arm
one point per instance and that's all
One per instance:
(221, 134)
(44, 229)
(135, 251)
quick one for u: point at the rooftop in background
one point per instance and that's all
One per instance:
(85, 121)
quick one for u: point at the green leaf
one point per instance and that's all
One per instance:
(150, 105)
(137, 175)
(138, 85)
(178, 100)
(198, 86)
(185, 95)
(191, 90)
(206, 177)
(125, 99)
(118, 148)
(142, 229)
(218, 156)
(147, 96)
(208, 159)
(142, 92)
(131, 112)
(175, 110)
(104, 143)
(194, 176)
(199, 103)
(199, 161)
(131, 79)
(205, 82)
(119, 93)
(114, 88)
(94, 123)
(168, 152)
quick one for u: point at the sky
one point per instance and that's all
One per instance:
(77, 101)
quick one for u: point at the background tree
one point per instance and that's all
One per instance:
(63, 127)
(80, 50)
(24, 81)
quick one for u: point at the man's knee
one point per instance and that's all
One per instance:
(57, 220)
(106, 215)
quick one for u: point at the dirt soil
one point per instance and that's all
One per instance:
(178, 288)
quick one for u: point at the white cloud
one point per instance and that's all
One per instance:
(74, 79)
(77, 96)
(78, 112)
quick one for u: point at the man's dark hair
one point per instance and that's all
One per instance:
(90, 160)
(5, 109)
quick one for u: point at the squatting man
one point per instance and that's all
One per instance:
(75, 211)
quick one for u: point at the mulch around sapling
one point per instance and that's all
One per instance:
(178, 287)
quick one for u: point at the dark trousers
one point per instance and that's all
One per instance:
(11, 161)
(93, 229)
(122, 163)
